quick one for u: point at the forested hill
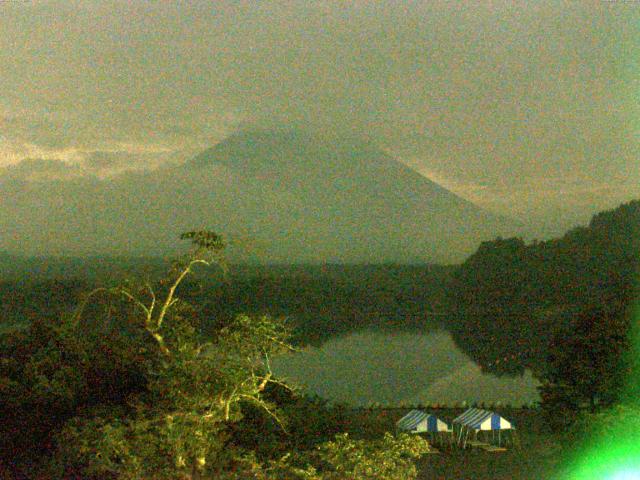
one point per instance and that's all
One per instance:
(319, 301)
(512, 298)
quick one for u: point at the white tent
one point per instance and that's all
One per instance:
(417, 421)
(477, 420)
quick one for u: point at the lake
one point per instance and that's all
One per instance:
(399, 368)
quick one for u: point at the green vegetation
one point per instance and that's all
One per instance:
(585, 366)
(560, 308)
(127, 386)
(318, 302)
(166, 378)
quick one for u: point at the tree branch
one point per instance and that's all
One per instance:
(153, 298)
(168, 301)
(266, 408)
(126, 293)
(80, 308)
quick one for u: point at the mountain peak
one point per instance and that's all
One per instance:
(299, 195)
(284, 145)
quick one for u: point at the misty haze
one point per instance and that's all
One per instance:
(319, 240)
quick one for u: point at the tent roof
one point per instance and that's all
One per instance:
(479, 419)
(418, 421)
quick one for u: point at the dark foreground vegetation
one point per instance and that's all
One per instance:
(562, 308)
(539, 455)
(318, 301)
(127, 385)
(169, 377)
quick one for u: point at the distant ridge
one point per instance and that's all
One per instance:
(298, 196)
(373, 206)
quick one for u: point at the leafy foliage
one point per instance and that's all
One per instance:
(390, 458)
(137, 391)
(586, 366)
(126, 386)
(515, 303)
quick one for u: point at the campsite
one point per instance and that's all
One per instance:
(49, 390)
(319, 240)
(539, 454)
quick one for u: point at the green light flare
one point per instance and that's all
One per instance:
(605, 461)
(626, 474)
(614, 453)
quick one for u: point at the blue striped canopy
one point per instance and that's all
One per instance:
(478, 419)
(417, 421)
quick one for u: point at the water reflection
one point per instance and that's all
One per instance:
(392, 368)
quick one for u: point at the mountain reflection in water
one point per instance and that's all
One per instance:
(393, 368)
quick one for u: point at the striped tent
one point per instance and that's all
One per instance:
(417, 421)
(476, 420)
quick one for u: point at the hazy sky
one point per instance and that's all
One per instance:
(527, 108)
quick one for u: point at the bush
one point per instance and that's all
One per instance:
(126, 387)
(620, 420)
(391, 458)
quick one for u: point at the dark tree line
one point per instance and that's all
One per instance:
(559, 307)
(319, 302)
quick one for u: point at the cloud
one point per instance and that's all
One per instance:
(39, 169)
(130, 157)
(53, 164)
(482, 94)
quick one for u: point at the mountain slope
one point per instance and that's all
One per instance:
(298, 197)
(365, 204)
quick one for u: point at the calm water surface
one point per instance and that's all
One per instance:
(395, 368)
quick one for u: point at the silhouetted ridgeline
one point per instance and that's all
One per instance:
(300, 196)
(98, 269)
(319, 301)
(511, 298)
(503, 304)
